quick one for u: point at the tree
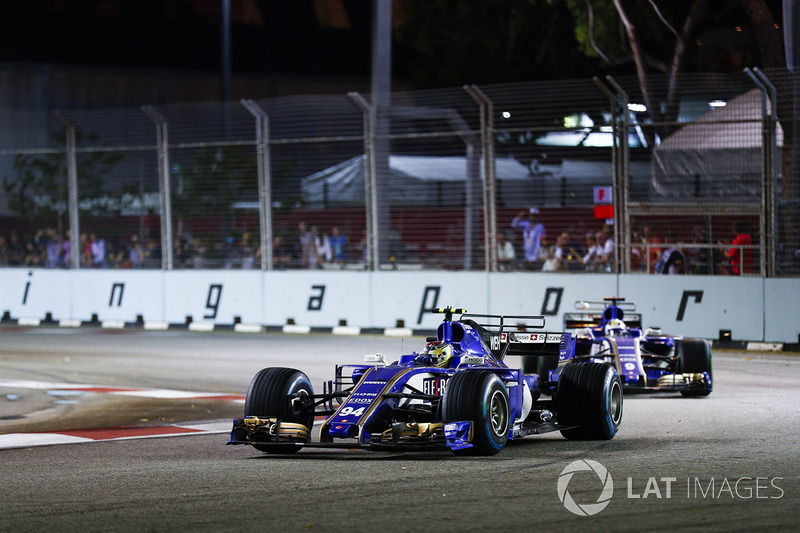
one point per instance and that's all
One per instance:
(211, 183)
(38, 193)
(657, 37)
(453, 43)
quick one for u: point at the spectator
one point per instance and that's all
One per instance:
(97, 251)
(86, 250)
(115, 255)
(506, 256)
(532, 232)
(338, 245)
(672, 260)
(248, 257)
(136, 254)
(152, 254)
(573, 254)
(66, 250)
(652, 252)
(636, 252)
(16, 250)
(4, 251)
(740, 250)
(322, 244)
(699, 259)
(606, 261)
(313, 248)
(555, 260)
(281, 253)
(308, 257)
(593, 252)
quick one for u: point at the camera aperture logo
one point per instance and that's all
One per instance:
(585, 509)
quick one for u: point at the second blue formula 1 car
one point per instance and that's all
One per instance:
(646, 360)
(457, 394)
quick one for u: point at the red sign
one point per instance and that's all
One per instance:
(603, 211)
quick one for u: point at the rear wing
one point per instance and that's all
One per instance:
(591, 314)
(515, 334)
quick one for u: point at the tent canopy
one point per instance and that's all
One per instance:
(719, 155)
(439, 180)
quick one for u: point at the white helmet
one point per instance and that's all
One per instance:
(614, 327)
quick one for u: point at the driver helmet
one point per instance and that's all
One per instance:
(440, 353)
(614, 327)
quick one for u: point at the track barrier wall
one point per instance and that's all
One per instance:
(750, 308)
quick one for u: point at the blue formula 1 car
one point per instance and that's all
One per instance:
(456, 394)
(646, 360)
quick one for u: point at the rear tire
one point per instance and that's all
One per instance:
(589, 397)
(480, 397)
(696, 359)
(269, 396)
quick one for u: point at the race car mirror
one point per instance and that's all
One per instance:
(472, 359)
(378, 359)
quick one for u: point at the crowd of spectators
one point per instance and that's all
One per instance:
(523, 246)
(49, 249)
(650, 253)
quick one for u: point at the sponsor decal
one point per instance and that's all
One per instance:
(434, 386)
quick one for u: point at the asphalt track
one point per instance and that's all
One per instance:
(728, 462)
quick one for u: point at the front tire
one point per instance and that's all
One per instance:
(480, 397)
(696, 359)
(269, 395)
(589, 401)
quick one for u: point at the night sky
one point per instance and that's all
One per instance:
(293, 37)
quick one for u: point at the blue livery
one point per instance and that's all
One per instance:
(457, 393)
(645, 359)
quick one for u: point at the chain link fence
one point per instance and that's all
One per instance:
(690, 176)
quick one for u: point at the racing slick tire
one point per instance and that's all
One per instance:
(589, 401)
(696, 359)
(269, 396)
(480, 397)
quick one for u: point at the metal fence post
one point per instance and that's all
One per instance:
(264, 182)
(766, 147)
(619, 165)
(486, 108)
(72, 192)
(163, 185)
(370, 191)
(771, 180)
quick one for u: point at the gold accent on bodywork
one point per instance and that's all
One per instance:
(375, 403)
(681, 379)
(637, 349)
(272, 427)
(412, 430)
(615, 353)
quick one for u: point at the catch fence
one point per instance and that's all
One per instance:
(668, 177)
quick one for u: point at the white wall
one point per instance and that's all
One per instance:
(754, 309)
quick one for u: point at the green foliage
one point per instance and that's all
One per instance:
(490, 42)
(213, 181)
(39, 193)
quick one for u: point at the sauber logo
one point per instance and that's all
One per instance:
(434, 386)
